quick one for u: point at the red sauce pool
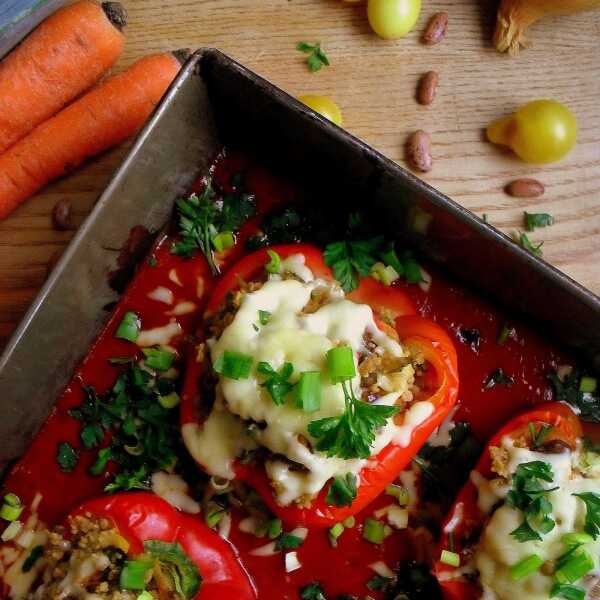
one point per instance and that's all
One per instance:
(527, 358)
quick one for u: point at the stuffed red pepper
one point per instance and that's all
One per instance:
(315, 398)
(527, 524)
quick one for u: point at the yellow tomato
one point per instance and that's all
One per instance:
(393, 19)
(542, 131)
(324, 106)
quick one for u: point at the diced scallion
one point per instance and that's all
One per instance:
(451, 559)
(274, 264)
(12, 531)
(134, 574)
(571, 540)
(233, 365)
(399, 492)
(145, 596)
(170, 400)
(274, 528)
(573, 565)
(264, 316)
(336, 531)
(386, 275)
(340, 363)
(373, 531)
(11, 508)
(588, 385)
(349, 522)
(223, 241)
(566, 591)
(526, 567)
(129, 328)
(159, 359)
(308, 391)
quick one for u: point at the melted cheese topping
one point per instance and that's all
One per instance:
(303, 340)
(498, 550)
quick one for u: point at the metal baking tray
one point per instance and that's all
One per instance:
(216, 101)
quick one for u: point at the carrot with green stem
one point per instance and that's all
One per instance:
(102, 118)
(59, 60)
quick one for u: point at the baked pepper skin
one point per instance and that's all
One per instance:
(465, 512)
(440, 385)
(143, 516)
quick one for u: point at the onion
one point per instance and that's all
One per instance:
(515, 16)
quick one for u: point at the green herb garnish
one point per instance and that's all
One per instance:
(378, 582)
(342, 490)
(566, 591)
(129, 328)
(277, 383)
(287, 541)
(159, 359)
(533, 220)
(233, 365)
(351, 260)
(312, 591)
(592, 516)
(35, 554)
(264, 316)
(569, 390)
(308, 391)
(66, 457)
(526, 243)
(529, 496)
(316, 56)
(538, 437)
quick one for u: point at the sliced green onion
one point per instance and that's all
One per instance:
(12, 531)
(573, 566)
(526, 567)
(134, 574)
(390, 259)
(223, 241)
(264, 316)
(145, 596)
(571, 540)
(213, 514)
(10, 513)
(308, 391)
(158, 359)
(35, 554)
(12, 499)
(233, 365)
(386, 275)
(451, 559)
(399, 492)
(568, 592)
(274, 528)
(349, 522)
(373, 531)
(336, 531)
(588, 385)
(130, 326)
(170, 400)
(274, 265)
(340, 363)
(412, 270)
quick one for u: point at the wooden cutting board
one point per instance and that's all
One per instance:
(374, 83)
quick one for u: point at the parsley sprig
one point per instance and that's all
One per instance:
(207, 219)
(276, 383)
(350, 434)
(316, 58)
(592, 516)
(533, 220)
(342, 490)
(351, 260)
(529, 496)
(528, 245)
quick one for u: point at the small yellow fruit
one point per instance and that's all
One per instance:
(393, 19)
(324, 106)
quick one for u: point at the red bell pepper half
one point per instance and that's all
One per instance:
(439, 385)
(465, 517)
(141, 516)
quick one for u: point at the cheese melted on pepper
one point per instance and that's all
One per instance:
(497, 550)
(303, 340)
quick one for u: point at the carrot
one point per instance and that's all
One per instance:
(58, 61)
(105, 116)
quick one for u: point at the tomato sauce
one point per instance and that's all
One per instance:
(525, 357)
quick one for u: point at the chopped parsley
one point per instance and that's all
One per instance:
(568, 390)
(533, 220)
(529, 496)
(342, 491)
(288, 541)
(351, 434)
(143, 433)
(592, 516)
(538, 436)
(276, 383)
(66, 457)
(316, 57)
(312, 591)
(526, 243)
(264, 316)
(497, 377)
(351, 260)
(203, 218)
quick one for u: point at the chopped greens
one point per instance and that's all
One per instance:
(207, 221)
(566, 591)
(316, 56)
(233, 365)
(36, 553)
(568, 390)
(66, 457)
(497, 377)
(264, 316)
(592, 516)
(533, 220)
(308, 391)
(529, 496)
(342, 490)
(129, 328)
(378, 582)
(538, 436)
(288, 541)
(526, 243)
(312, 591)
(159, 359)
(276, 384)
(144, 434)
(351, 260)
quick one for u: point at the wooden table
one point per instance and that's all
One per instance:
(374, 83)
